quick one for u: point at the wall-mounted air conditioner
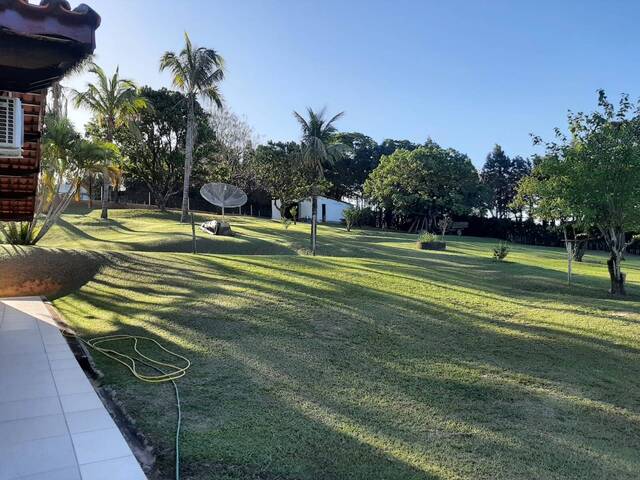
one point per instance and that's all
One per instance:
(11, 127)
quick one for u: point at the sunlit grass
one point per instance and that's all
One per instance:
(372, 360)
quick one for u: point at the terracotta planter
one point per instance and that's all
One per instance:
(437, 245)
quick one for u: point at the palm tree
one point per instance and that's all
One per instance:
(318, 150)
(196, 72)
(114, 101)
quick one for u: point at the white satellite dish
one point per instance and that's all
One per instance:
(223, 195)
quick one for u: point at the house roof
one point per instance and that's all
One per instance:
(40, 43)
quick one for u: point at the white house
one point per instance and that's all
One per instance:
(329, 210)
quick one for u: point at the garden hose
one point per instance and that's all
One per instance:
(175, 372)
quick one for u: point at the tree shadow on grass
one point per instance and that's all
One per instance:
(310, 371)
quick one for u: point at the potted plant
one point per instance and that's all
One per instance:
(429, 241)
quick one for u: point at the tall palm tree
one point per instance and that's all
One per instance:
(114, 101)
(318, 150)
(196, 72)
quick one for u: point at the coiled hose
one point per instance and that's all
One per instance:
(173, 373)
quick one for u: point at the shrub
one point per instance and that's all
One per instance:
(18, 233)
(356, 216)
(501, 251)
(351, 215)
(427, 237)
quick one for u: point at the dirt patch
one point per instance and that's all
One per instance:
(27, 271)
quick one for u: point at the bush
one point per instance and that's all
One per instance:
(427, 237)
(430, 241)
(501, 251)
(359, 217)
(18, 233)
(351, 215)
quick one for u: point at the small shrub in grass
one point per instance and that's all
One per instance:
(429, 241)
(18, 233)
(351, 216)
(501, 251)
(427, 237)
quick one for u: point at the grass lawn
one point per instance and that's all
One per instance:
(371, 361)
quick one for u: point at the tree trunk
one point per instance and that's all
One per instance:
(105, 196)
(106, 181)
(161, 202)
(314, 223)
(615, 274)
(188, 160)
(56, 94)
(90, 192)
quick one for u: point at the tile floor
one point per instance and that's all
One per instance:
(53, 426)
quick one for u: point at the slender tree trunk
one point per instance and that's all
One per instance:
(90, 192)
(56, 94)
(314, 222)
(104, 215)
(188, 160)
(106, 181)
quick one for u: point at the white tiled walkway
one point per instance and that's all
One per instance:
(53, 426)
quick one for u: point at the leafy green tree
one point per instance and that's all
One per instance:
(66, 157)
(593, 177)
(388, 146)
(196, 71)
(500, 177)
(348, 173)
(421, 185)
(279, 172)
(495, 175)
(113, 101)
(318, 149)
(154, 150)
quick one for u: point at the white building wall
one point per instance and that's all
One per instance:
(333, 208)
(275, 213)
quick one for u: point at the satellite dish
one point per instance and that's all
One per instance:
(223, 195)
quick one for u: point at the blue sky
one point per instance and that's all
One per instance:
(468, 74)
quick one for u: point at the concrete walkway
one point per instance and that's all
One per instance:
(53, 426)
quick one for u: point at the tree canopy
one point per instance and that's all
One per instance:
(500, 177)
(154, 149)
(423, 184)
(593, 176)
(348, 172)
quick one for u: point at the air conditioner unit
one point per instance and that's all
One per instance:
(11, 127)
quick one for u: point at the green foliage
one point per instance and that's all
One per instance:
(280, 173)
(112, 100)
(427, 237)
(500, 251)
(318, 147)
(593, 177)
(348, 172)
(428, 181)
(154, 149)
(351, 216)
(358, 216)
(500, 176)
(195, 71)
(18, 233)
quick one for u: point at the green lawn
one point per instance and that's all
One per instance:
(371, 361)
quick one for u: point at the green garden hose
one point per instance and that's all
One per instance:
(175, 372)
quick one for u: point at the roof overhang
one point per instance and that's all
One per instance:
(40, 43)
